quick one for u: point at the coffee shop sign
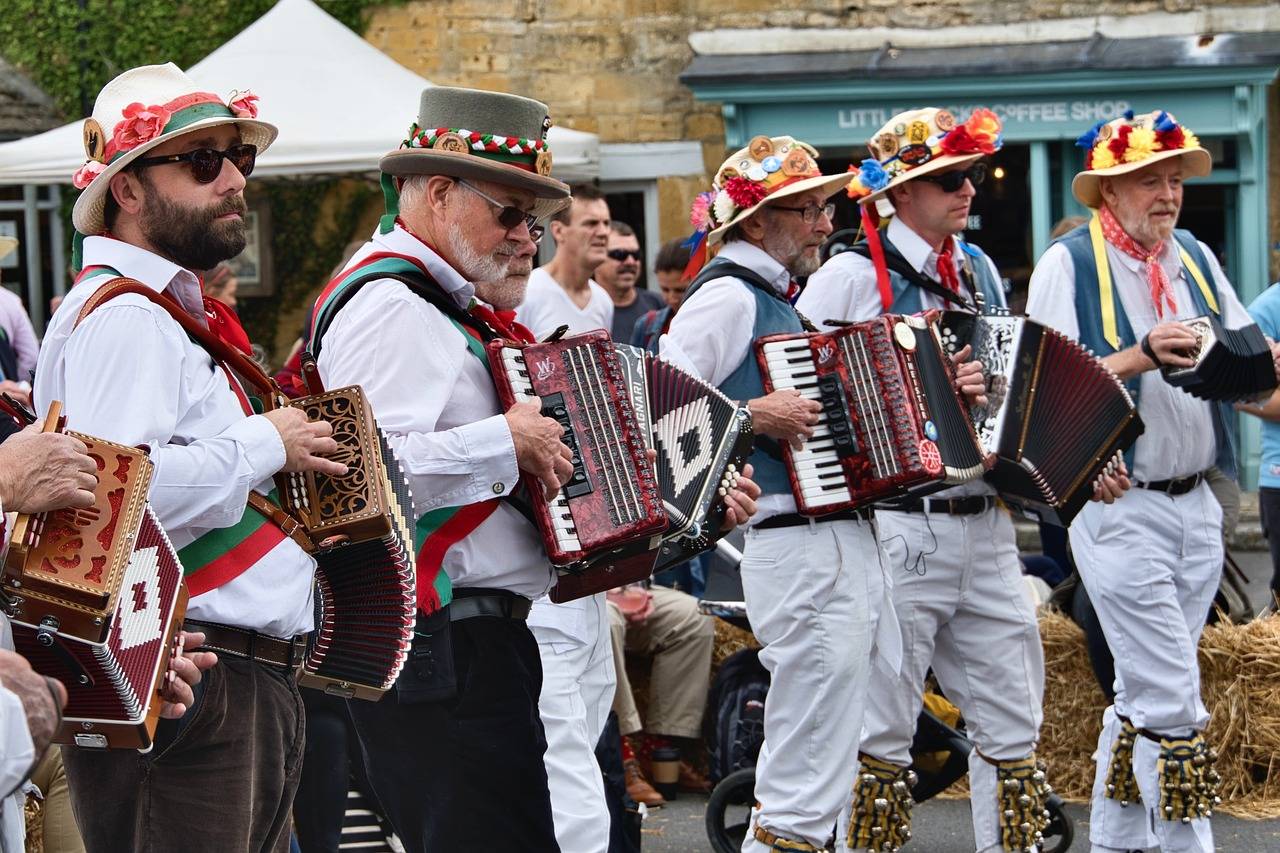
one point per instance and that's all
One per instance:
(1027, 112)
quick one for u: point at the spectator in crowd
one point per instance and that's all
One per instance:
(668, 269)
(562, 292)
(1265, 311)
(220, 283)
(18, 345)
(618, 275)
(666, 625)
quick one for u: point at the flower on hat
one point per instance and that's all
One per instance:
(1142, 144)
(723, 207)
(1172, 139)
(745, 192)
(86, 173)
(700, 211)
(1189, 139)
(140, 124)
(243, 104)
(983, 127)
(1100, 158)
(868, 177)
(1089, 137)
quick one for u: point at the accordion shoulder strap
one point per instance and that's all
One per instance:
(894, 260)
(728, 269)
(219, 349)
(289, 525)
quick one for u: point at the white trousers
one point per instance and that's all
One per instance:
(964, 610)
(1151, 564)
(577, 692)
(814, 594)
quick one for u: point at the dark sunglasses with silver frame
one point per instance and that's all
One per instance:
(952, 181)
(206, 163)
(508, 216)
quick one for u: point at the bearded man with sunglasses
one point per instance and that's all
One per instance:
(957, 581)
(618, 275)
(814, 588)
(163, 196)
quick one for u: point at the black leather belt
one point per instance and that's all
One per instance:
(470, 603)
(1180, 486)
(245, 644)
(974, 505)
(795, 519)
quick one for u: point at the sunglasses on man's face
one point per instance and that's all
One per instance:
(952, 181)
(621, 255)
(206, 163)
(508, 217)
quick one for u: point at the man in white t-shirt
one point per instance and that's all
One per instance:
(562, 292)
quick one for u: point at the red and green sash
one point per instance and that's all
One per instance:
(440, 529)
(223, 554)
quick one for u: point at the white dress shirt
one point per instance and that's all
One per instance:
(713, 333)
(439, 407)
(17, 754)
(845, 289)
(1178, 440)
(547, 306)
(130, 374)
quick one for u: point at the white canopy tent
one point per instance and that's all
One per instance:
(339, 102)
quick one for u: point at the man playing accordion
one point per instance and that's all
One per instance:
(1151, 561)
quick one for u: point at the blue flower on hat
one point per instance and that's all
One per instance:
(1090, 136)
(1128, 115)
(1165, 122)
(872, 175)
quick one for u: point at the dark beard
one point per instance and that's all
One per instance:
(189, 236)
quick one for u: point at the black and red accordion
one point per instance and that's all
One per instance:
(891, 423)
(362, 531)
(619, 516)
(1056, 416)
(1230, 364)
(96, 599)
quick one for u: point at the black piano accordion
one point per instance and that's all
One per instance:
(892, 422)
(1231, 364)
(1056, 416)
(362, 532)
(620, 517)
(96, 600)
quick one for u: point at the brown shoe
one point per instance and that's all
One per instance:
(693, 781)
(638, 788)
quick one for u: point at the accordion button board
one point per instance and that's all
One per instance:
(1230, 364)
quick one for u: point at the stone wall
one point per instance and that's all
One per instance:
(611, 67)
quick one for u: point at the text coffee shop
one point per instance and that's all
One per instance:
(1046, 95)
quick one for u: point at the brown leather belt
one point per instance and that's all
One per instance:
(249, 645)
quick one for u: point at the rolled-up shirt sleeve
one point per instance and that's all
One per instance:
(409, 359)
(125, 381)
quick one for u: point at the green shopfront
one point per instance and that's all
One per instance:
(1043, 111)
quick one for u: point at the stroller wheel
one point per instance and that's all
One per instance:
(1061, 830)
(729, 810)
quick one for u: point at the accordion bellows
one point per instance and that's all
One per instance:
(1230, 364)
(1056, 416)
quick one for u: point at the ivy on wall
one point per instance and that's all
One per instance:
(71, 48)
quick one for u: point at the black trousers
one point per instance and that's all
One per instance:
(331, 764)
(464, 772)
(1269, 509)
(220, 780)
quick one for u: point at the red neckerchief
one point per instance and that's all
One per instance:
(224, 323)
(1157, 281)
(947, 268)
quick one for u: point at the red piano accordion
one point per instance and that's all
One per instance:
(605, 525)
(96, 600)
(891, 423)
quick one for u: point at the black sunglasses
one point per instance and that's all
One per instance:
(952, 181)
(206, 163)
(508, 217)
(621, 255)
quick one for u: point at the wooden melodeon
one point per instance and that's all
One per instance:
(891, 423)
(364, 550)
(1055, 416)
(604, 526)
(1230, 364)
(96, 599)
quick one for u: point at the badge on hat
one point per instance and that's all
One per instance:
(95, 141)
(543, 163)
(450, 142)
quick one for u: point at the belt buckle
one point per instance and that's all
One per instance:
(297, 650)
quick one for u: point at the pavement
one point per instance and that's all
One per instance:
(943, 825)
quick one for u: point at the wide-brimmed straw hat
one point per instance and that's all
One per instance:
(766, 170)
(919, 142)
(1131, 142)
(486, 136)
(141, 109)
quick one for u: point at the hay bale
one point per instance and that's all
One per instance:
(1240, 680)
